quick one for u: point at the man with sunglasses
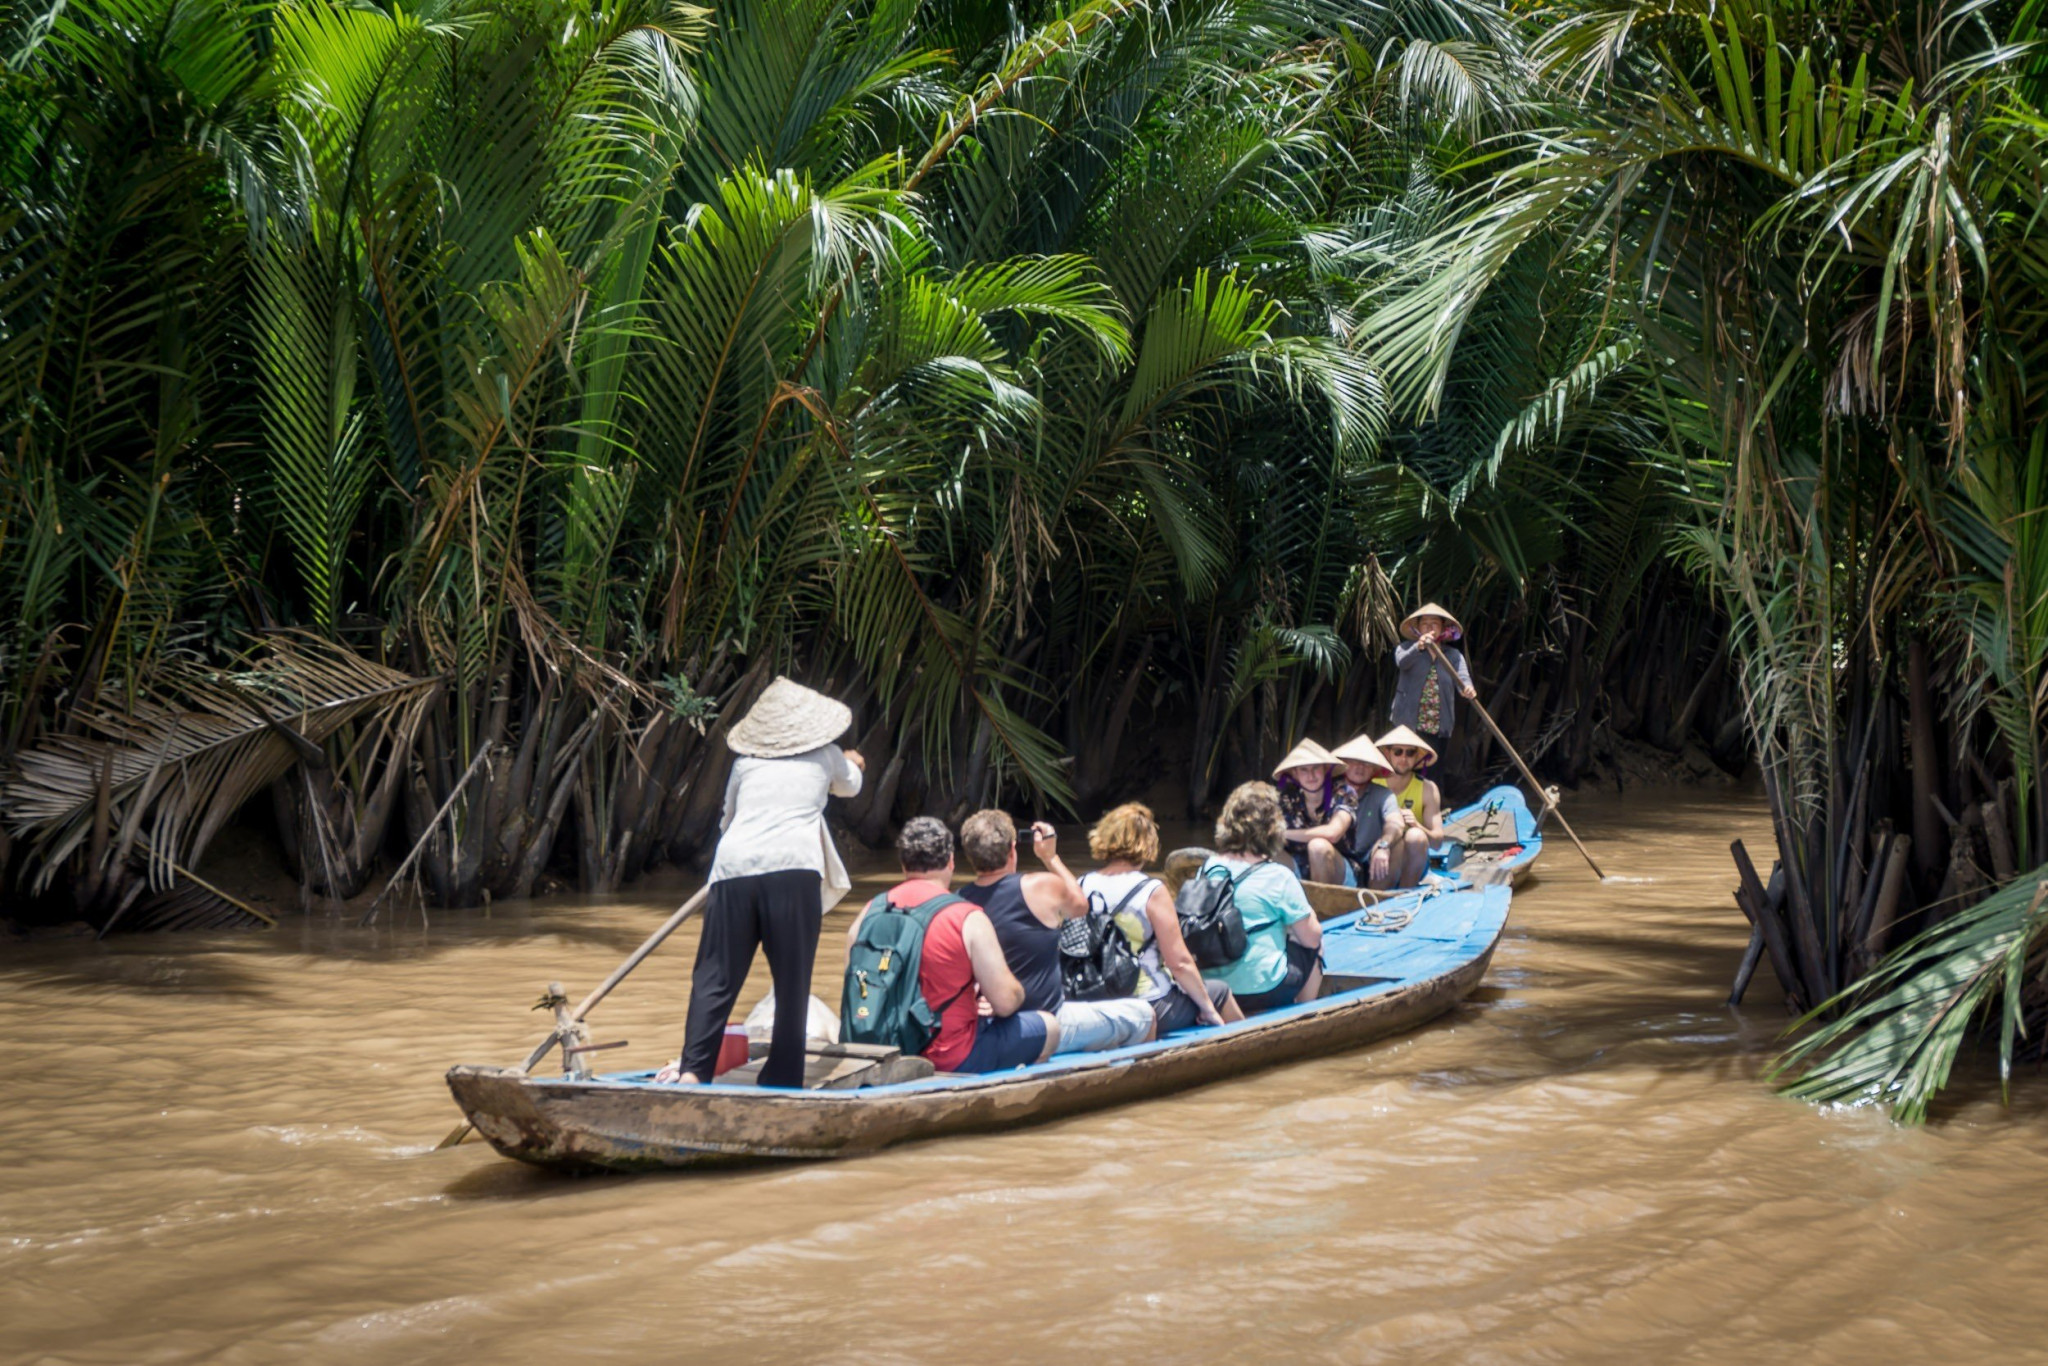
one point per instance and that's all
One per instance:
(1418, 821)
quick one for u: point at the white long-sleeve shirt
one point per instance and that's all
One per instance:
(775, 818)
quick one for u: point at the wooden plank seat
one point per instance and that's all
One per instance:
(837, 1067)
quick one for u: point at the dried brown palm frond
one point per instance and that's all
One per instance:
(130, 806)
(194, 904)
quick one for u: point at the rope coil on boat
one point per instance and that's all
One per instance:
(1373, 918)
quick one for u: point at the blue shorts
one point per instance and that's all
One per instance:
(1006, 1041)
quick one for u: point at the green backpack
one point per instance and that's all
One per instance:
(882, 1003)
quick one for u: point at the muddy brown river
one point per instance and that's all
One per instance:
(219, 1149)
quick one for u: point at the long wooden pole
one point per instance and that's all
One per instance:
(1507, 745)
(603, 989)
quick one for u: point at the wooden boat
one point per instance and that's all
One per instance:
(1494, 840)
(1377, 983)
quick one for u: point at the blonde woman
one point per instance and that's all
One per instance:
(1127, 841)
(1282, 962)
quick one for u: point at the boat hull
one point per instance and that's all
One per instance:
(626, 1123)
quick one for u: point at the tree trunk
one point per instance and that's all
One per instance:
(1926, 763)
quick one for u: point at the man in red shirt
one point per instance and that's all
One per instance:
(962, 972)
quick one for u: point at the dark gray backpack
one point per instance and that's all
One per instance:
(1209, 918)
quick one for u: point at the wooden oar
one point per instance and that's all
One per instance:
(603, 989)
(1507, 745)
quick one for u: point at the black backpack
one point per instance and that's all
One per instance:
(1209, 918)
(1096, 962)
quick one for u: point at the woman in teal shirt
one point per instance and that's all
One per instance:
(1282, 961)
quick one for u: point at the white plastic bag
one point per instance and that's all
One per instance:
(822, 1025)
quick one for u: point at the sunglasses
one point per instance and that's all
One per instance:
(1398, 751)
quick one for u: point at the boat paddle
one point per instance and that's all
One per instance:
(603, 989)
(1507, 745)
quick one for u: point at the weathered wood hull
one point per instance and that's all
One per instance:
(628, 1123)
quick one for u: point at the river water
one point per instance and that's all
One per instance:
(219, 1148)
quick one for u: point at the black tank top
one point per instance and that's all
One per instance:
(1031, 948)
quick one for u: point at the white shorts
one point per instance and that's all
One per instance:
(1091, 1026)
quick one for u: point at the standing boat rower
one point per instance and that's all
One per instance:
(775, 875)
(1423, 694)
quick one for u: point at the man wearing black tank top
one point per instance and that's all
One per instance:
(1027, 910)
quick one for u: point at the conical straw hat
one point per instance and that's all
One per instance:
(788, 719)
(1452, 631)
(1307, 754)
(1401, 735)
(1361, 750)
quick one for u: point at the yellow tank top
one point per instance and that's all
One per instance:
(1409, 797)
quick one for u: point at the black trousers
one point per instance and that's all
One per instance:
(777, 912)
(1447, 773)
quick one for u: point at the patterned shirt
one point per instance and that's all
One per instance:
(1429, 709)
(1294, 803)
(1336, 796)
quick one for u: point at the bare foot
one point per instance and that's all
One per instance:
(674, 1075)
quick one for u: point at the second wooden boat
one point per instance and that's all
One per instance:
(1492, 841)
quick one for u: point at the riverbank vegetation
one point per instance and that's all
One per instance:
(445, 419)
(1798, 249)
(432, 423)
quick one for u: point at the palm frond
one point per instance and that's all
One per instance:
(167, 771)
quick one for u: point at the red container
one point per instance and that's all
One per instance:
(732, 1051)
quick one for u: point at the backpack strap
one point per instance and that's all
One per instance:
(1251, 868)
(926, 912)
(1220, 872)
(941, 1011)
(1142, 884)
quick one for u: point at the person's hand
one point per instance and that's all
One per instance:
(1044, 841)
(1426, 637)
(1469, 694)
(1377, 866)
(1210, 1014)
(853, 756)
(1408, 821)
(983, 1008)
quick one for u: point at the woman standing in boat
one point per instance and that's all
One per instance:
(775, 875)
(1423, 695)
(1282, 961)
